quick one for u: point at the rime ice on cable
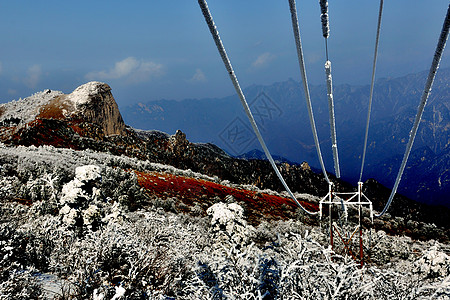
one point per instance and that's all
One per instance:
(423, 101)
(324, 18)
(301, 62)
(332, 118)
(326, 34)
(223, 54)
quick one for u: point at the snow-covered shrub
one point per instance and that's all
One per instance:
(168, 204)
(116, 214)
(196, 210)
(433, 264)
(269, 279)
(6, 187)
(21, 249)
(121, 185)
(155, 254)
(228, 224)
(387, 248)
(20, 285)
(81, 197)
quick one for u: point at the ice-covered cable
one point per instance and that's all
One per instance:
(332, 118)
(298, 43)
(433, 69)
(324, 18)
(366, 136)
(326, 34)
(227, 63)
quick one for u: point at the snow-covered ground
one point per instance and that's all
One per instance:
(28, 108)
(79, 234)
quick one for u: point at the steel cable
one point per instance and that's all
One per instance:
(366, 136)
(332, 118)
(433, 69)
(220, 47)
(326, 34)
(298, 43)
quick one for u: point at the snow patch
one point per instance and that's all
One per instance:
(25, 110)
(82, 94)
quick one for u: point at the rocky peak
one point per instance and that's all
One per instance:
(95, 103)
(178, 143)
(92, 102)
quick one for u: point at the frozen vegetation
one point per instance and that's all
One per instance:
(90, 232)
(25, 110)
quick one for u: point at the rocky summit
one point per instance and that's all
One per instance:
(91, 103)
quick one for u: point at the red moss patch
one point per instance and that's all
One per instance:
(191, 191)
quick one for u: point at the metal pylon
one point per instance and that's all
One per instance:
(343, 201)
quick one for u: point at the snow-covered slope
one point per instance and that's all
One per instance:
(80, 232)
(27, 109)
(147, 215)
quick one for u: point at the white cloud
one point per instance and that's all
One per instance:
(130, 69)
(263, 60)
(34, 74)
(199, 76)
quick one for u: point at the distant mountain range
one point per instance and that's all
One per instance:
(281, 114)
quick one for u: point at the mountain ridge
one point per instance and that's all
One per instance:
(287, 131)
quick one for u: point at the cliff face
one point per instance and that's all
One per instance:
(95, 103)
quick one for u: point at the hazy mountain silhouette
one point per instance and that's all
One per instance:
(281, 114)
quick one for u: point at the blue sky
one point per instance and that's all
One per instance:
(148, 50)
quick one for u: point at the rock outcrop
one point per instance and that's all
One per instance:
(91, 103)
(95, 103)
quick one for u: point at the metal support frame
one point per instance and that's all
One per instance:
(343, 201)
